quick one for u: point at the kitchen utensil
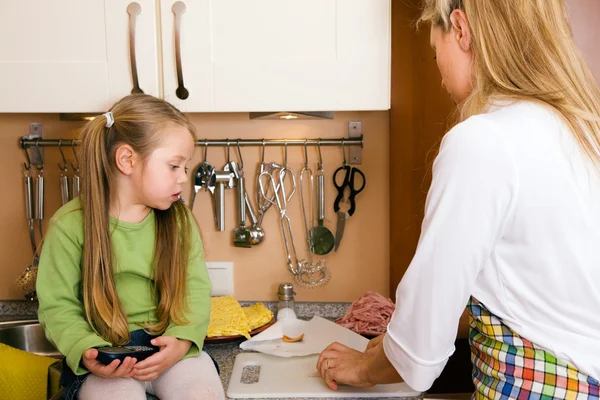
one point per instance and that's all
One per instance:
(75, 181)
(256, 232)
(311, 276)
(306, 179)
(228, 168)
(179, 9)
(322, 238)
(133, 9)
(241, 234)
(39, 199)
(222, 184)
(297, 377)
(26, 281)
(348, 183)
(261, 202)
(203, 177)
(64, 187)
(345, 202)
(29, 213)
(197, 184)
(222, 178)
(64, 179)
(39, 193)
(278, 186)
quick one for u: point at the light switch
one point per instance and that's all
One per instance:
(221, 277)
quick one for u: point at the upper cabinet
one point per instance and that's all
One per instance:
(200, 55)
(72, 55)
(301, 55)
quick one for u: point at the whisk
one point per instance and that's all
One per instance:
(26, 282)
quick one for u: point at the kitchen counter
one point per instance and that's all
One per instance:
(225, 356)
(224, 353)
(16, 317)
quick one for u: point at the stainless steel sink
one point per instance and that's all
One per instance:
(27, 335)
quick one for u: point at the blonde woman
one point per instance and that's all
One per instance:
(123, 264)
(512, 219)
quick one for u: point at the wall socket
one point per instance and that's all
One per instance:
(221, 277)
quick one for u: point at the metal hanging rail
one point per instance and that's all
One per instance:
(30, 142)
(354, 141)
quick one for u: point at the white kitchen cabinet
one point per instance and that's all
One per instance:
(72, 55)
(309, 55)
(236, 55)
(266, 55)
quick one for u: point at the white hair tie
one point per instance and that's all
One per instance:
(110, 119)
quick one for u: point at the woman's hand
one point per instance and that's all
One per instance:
(171, 351)
(374, 342)
(112, 370)
(341, 364)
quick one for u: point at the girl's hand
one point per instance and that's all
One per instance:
(112, 370)
(171, 351)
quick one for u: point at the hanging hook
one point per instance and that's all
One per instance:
(305, 153)
(240, 154)
(285, 153)
(344, 152)
(262, 158)
(27, 165)
(62, 154)
(39, 167)
(320, 156)
(205, 148)
(76, 165)
(228, 152)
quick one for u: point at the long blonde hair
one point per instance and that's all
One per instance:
(524, 49)
(137, 122)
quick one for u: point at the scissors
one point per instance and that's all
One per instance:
(346, 196)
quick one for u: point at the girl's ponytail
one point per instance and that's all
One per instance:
(102, 306)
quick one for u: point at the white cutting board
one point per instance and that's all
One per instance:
(298, 377)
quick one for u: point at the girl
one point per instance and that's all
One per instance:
(123, 264)
(512, 220)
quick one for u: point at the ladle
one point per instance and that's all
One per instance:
(241, 234)
(256, 232)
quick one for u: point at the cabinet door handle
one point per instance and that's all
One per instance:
(178, 9)
(133, 9)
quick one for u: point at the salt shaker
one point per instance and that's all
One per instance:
(286, 306)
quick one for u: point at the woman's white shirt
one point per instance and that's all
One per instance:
(513, 218)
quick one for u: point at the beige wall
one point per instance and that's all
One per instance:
(361, 264)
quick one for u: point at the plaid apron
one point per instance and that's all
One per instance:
(507, 366)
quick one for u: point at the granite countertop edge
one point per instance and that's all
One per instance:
(22, 309)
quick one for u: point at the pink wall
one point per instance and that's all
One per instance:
(585, 22)
(361, 264)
